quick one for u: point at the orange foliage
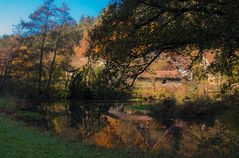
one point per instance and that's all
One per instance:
(79, 57)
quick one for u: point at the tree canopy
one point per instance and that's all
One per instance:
(132, 34)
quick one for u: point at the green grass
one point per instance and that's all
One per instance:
(18, 141)
(142, 107)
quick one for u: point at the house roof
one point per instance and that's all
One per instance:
(169, 67)
(168, 74)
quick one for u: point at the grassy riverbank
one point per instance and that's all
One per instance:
(18, 141)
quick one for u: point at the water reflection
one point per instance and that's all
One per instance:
(76, 119)
(87, 117)
(108, 124)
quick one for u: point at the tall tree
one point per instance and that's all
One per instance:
(35, 33)
(50, 37)
(65, 38)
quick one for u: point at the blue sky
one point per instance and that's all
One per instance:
(11, 11)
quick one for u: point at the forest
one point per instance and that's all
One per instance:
(143, 78)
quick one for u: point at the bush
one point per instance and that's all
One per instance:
(94, 85)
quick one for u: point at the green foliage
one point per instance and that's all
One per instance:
(92, 83)
(80, 85)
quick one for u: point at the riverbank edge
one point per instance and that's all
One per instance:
(17, 140)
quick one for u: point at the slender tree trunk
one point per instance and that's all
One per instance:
(41, 63)
(41, 57)
(52, 68)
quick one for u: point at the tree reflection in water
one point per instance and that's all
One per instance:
(88, 117)
(76, 119)
(180, 130)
